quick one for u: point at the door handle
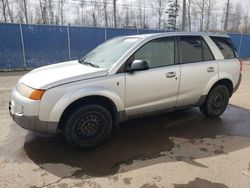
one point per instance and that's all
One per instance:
(170, 74)
(210, 69)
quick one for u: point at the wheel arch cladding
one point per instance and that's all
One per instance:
(88, 100)
(226, 82)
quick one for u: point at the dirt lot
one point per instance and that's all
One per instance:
(178, 149)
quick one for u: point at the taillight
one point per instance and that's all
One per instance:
(241, 64)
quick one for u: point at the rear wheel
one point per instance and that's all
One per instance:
(88, 126)
(216, 102)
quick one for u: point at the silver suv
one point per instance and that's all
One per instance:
(126, 77)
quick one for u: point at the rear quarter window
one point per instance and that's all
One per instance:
(226, 47)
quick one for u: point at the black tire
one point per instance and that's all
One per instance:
(216, 102)
(88, 127)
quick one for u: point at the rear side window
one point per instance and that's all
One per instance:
(226, 46)
(191, 49)
(194, 49)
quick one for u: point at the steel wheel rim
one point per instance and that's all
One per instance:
(218, 102)
(90, 126)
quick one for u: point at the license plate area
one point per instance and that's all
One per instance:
(15, 108)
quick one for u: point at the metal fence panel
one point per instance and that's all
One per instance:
(236, 40)
(45, 44)
(84, 39)
(147, 31)
(112, 32)
(245, 46)
(10, 47)
(241, 42)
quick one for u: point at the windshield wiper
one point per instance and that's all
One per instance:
(88, 63)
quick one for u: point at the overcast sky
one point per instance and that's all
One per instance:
(246, 3)
(220, 4)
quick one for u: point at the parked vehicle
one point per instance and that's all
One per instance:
(126, 77)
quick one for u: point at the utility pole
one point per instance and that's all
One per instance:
(183, 15)
(114, 11)
(226, 18)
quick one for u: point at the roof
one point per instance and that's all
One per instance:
(180, 33)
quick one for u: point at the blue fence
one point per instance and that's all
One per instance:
(29, 46)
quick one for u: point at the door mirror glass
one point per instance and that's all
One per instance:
(138, 65)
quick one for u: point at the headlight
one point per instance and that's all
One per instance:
(34, 94)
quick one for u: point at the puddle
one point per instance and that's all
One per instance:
(200, 183)
(137, 139)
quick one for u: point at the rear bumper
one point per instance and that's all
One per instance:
(238, 84)
(33, 123)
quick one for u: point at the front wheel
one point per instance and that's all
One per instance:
(88, 127)
(216, 102)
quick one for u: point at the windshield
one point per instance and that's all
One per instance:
(106, 54)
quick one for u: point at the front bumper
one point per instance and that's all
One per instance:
(25, 113)
(33, 123)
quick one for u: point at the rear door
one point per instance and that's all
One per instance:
(198, 69)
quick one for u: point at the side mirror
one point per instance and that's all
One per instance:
(138, 65)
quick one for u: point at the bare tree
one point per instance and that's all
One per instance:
(213, 23)
(25, 11)
(94, 11)
(235, 18)
(159, 6)
(195, 18)
(145, 16)
(105, 11)
(61, 4)
(10, 12)
(201, 5)
(114, 13)
(210, 5)
(22, 11)
(246, 26)
(119, 18)
(51, 12)
(140, 14)
(189, 14)
(226, 15)
(4, 11)
(173, 13)
(184, 10)
(205, 8)
(43, 11)
(200, 13)
(82, 12)
(126, 13)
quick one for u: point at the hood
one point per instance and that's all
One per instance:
(56, 74)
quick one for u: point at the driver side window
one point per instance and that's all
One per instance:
(158, 52)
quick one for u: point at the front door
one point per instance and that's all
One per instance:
(156, 88)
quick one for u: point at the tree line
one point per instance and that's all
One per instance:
(200, 15)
